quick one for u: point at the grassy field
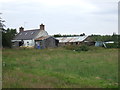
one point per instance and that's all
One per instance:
(60, 68)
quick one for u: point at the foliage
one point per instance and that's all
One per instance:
(59, 35)
(7, 36)
(104, 38)
(70, 47)
(60, 68)
(2, 23)
(112, 45)
(77, 47)
(114, 38)
(82, 34)
(82, 48)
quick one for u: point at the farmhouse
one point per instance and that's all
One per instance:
(38, 38)
(77, 40)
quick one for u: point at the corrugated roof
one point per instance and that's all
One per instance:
(109, 42)
(72, 39)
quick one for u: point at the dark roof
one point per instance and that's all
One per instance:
(27, 35)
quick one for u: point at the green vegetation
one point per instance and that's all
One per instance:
(115, 37)
(60, 68)
(77, 47)
(7, 36)
(112, 45)
(59, 35)
(104, 38)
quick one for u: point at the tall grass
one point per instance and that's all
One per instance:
(55, 68)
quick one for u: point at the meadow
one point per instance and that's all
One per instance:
(60, 68)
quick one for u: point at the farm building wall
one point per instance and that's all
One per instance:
(15, 44)
(70, 43)
(46, 43)
(51, 42)
(28, 43)
(24, 43)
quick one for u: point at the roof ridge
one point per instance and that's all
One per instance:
(31, 30)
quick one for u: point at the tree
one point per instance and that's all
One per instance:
(82, 34)
(2, 25)
(1, 29)
(115, 37)
(57, 35)
(7, 36)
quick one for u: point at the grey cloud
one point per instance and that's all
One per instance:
(64, 20)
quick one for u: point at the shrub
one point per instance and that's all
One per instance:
(82, 48)
(71, 47)
(77, 48)
(112, 45)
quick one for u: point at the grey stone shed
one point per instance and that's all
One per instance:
(46, 42)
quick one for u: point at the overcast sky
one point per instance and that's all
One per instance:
(62, 16)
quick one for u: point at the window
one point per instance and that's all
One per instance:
(25, 33)
(20, 33)
(32, 32)
(27, 43)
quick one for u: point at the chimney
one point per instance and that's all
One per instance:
(21, 29)
(42, 27)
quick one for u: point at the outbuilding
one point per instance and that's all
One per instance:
(46, 42)
(77, 40)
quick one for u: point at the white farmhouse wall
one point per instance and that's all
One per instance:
(28, 43)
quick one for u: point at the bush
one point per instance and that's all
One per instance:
(112, 45)
(70, 47)
(77, 48)
(82, 48)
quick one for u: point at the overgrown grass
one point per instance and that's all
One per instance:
(60, 68)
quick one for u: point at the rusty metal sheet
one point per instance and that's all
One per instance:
(72, 39)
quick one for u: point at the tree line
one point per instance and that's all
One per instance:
(6, 35)
(59, 35)
(103, 38)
